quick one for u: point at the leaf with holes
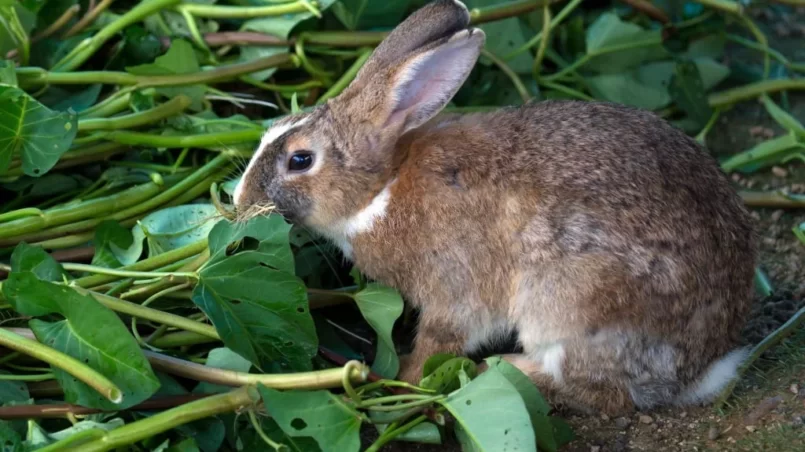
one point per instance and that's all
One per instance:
(381, 306)
(110, 350)
(168, 229)
(31, 132)
(445, 378)
(256, 303)
(491, 414)
(320, 415)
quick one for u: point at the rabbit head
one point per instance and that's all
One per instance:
(321, 166)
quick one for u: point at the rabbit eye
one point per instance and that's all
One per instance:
(300, 161)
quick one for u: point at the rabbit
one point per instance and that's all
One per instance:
(607, 240)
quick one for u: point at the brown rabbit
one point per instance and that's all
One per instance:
(607, 239)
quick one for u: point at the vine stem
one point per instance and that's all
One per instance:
(515, 79)
(62, 361)
(125, 273)
(170, 419)
(88, 18)
(241, 12)
(35, 76)
(319, 379)
(172, 107)
(388, 435)
(753, 90)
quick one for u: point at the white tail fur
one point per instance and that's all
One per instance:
(713, 381)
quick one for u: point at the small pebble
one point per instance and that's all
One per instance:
(595, 448)
(777, 214)
(798, 421)
(683, 415)
(751, 428)
(604, 417)
(646, 419)
(713, 433)
(779, 172)
(622, 423)
(794, 388)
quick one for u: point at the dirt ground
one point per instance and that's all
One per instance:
(767, 410)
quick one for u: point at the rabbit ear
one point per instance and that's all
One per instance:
(422, 84)
(436, 20)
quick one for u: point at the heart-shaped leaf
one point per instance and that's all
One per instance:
(320, 415)
(381, 306)
(110, 350)
(256, 303)
(32, 132)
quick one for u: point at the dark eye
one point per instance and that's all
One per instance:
(300, 161)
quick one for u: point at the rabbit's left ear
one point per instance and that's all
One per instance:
(423, 84)
(404, 97)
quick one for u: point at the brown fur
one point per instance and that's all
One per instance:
(595, 226)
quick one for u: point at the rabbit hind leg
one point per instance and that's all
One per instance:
(610, 373)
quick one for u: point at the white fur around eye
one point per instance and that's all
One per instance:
(268, 138)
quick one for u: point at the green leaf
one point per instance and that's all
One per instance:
(179, 59)
(424, 433)
(445, 378)
(168, 229)
(186, 445)
(627, 89)
(222, 358)
(536, 405)
(492, 415)
(687, 90)
(320, 415)
(33, 259)
(710, 46)
(251, 441)
(9, 439)
(208, 433)
(782, 117)
(86, 425)
(362, 14)
(280, 27)
(61, 99)
(505, 36)
(12, 391)
(32, 132)
(256, 303)
(609, 32)
(381, 306)
(110, 349)
(109, 237)
(434, 361)
(8, 74)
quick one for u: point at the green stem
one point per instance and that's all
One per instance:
(36, 377)
(554, 23)
(603, 51)
(319, 379)
(113, 104)
(170, 108)
(34, 76)
(160, 260)
(74, 212)
(154, 315)
(347, 78)
(21, 213)
(728, 6)
(270, 442)
(181, 339)
(126, 274)
(395, 398)
(404, 406)
(206, 140)
(86, 49)
(62, 361)
(389, 435)
(505, 10)
(74, 440)
(753, 90)
(515, 79)
(241, 12)
(170, 419)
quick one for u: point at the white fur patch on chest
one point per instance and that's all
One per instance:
(342, 232)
